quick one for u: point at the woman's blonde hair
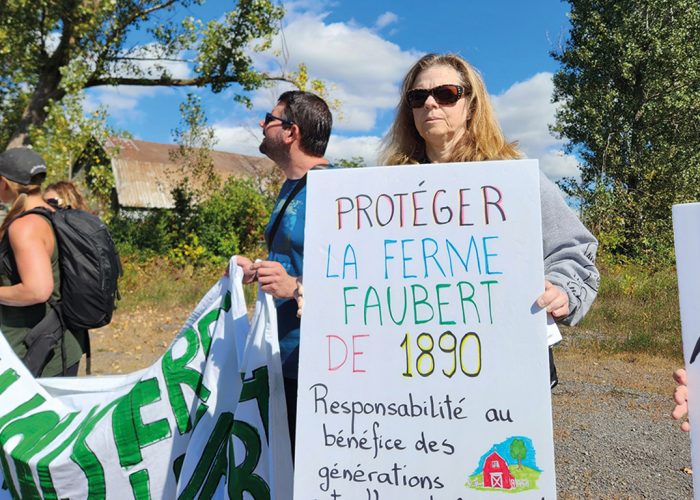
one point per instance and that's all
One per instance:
(483, 139)
(69, 195)
(21, 191)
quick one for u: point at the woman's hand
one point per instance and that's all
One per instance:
(274, 279)
(249, 274)
(555, 300)
(299, 296)
(680, 396)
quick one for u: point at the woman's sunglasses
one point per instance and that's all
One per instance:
(443, 94)
(269, 117)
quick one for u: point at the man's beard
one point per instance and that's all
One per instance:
(271, 148)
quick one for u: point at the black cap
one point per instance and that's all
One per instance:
(22, 165)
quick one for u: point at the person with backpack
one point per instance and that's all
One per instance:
(30, 277)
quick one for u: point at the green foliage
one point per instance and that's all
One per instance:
(629, 89)
(354, 162)
(193, 163)
(238, 206)
(50, 50)
(231, 221)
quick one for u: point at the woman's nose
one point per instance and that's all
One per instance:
(430, 102)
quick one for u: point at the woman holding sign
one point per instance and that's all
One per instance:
(445, 116)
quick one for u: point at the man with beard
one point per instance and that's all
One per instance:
(295, 136)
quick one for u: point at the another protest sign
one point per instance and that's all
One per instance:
(207, 420)
(686, 233)
(423, 370)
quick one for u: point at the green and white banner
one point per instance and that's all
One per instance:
(207, 420)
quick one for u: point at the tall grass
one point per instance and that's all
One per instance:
(636, 311)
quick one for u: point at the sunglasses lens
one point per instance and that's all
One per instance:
(416, 98)
(446, 94)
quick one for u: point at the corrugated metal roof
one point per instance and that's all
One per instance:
(143, 171)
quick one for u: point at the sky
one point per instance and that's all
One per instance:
(362, 49)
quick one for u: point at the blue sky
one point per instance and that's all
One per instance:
(362, 49)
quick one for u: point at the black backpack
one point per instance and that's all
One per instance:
(89, 265)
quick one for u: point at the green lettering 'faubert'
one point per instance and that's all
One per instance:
(130, 433)
(176, 373)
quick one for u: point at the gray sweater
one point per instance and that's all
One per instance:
(569, 252)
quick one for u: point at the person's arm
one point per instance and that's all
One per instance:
(32, 242)
(680, 396)
(569, 256)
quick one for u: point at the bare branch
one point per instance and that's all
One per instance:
(171, 82)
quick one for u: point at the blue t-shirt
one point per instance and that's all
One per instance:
(287, 248)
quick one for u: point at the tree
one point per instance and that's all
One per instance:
(53, 48)
(518, 451)
(629, 89)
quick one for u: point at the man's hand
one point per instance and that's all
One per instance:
(555, 300)
(680, 396)
(274, 279)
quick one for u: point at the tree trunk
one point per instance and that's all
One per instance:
(47, 90)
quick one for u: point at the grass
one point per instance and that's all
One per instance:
(636, 311)
(157, 284)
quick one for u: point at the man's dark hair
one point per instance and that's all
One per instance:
(312, 116)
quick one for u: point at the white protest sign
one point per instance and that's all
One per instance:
(686, 234)
(424, 370)
(207, 420)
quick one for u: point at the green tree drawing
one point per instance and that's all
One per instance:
(518, 451)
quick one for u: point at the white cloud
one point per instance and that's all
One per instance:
(385, 20)
(246, 139)
(525, 111)
(361, 69)
(367, 147)
(238, 139)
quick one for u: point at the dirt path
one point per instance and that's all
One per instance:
(612, 431)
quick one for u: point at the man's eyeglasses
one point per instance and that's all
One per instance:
(269, 117)
(443, 94)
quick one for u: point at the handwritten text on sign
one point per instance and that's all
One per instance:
(421, 357)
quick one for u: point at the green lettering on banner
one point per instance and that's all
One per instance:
(130, 433)
(176, 373)
(209, 468)
(36, 401)
(37, 431)
(86, 459)
(7, 477)
(177, 466)
(242, 478)
(7, 378)
(208, 319)
(139, 485)
(258, 388)
(42, 467)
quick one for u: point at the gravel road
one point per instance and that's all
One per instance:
(613, 435)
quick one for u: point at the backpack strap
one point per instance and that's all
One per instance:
(278, 220)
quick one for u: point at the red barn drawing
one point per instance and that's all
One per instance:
(496, 473)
